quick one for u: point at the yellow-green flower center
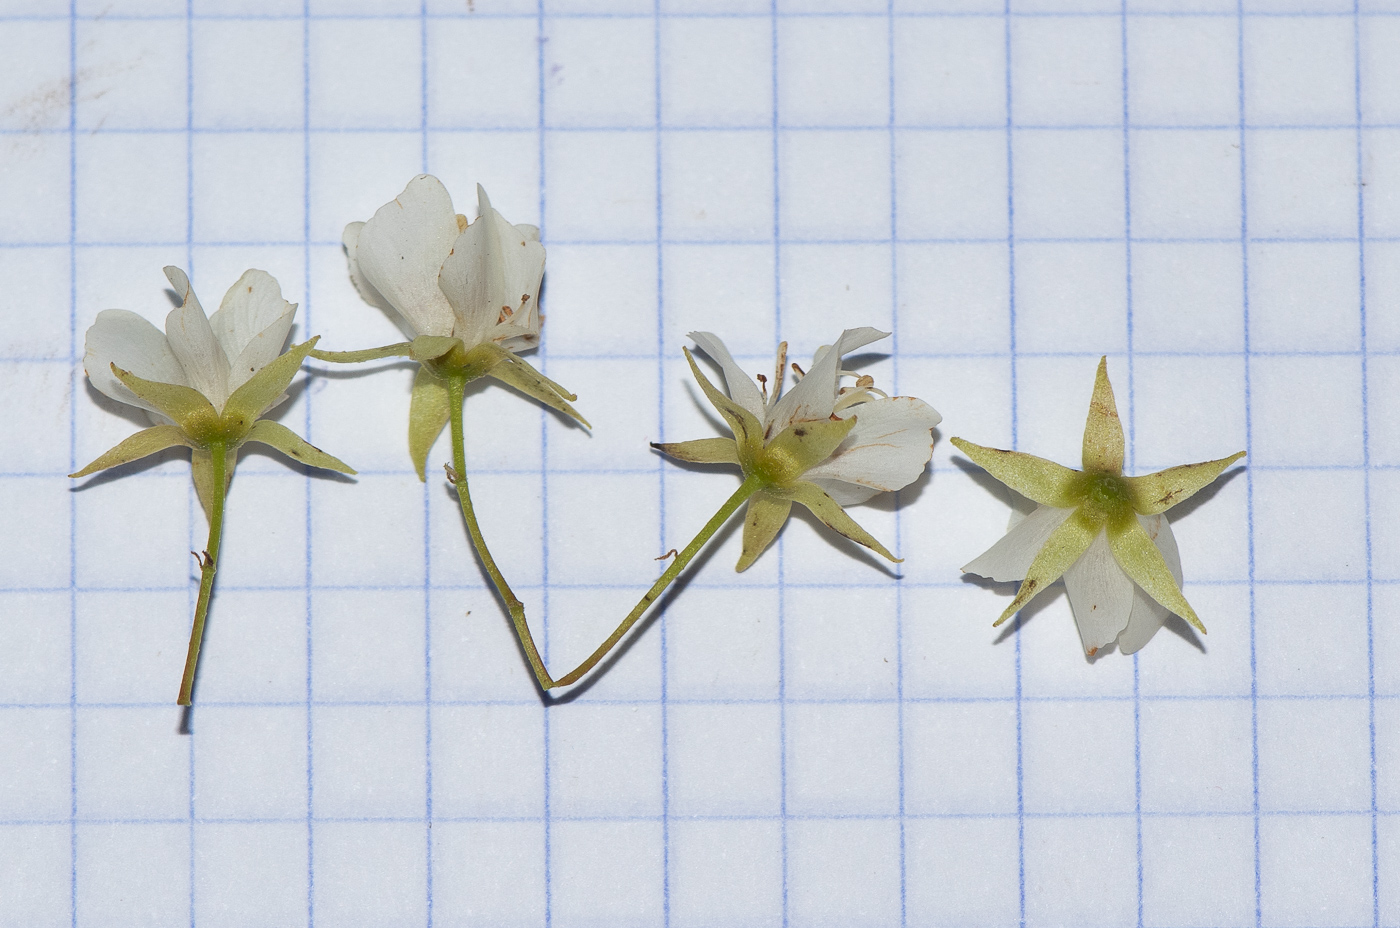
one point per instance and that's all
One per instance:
(208, 427)
(1104, 498)
(777, 466)
(464, 362)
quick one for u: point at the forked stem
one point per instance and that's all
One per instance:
(516, 608)
(218, 454)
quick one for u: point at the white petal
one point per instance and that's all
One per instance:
(886, 449)
(491, 277)
(351, 240)
(814, 396)
(252, 325)
(529, 231)
(1010, 558)
(192, 339)
(1148, 614)
(125, 339)
(400, 251)
(845, 494)
(1100, 594)
(739, 385)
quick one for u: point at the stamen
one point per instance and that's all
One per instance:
(798, 371)
(778, 371)
(763, 385)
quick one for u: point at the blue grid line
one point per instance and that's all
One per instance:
(794, 584)
(1366, 475)
(309, 599)
(73, 462)
(427, 547)
(898, 512)
(1132, 425)
(728, 15)
(1249, 475)
(781, 547)
(1342, 125)
(1018, 621)
(657, 89)
(1209, 697)
(756, 817)
(192, 523)
(541, 37)
(791, 242)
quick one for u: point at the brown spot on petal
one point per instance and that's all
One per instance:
(1093, 651)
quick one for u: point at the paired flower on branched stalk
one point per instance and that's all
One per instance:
(1103, 532)
(205, 383)
(466, 294)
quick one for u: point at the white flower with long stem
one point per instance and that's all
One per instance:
(205, 383)
(1104, 533)
(821, 445)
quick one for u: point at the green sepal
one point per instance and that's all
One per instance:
(431, 347)
(1043, 481)
(1066, 544)
(263, 388)
(518, 373)
(764, 517)
(202, 470)
(1154, 493)
(1142, 561)
(399, 350)
(748, 431)
(833, 516)
(143, 444)
(276, 435)
(189, 408)
(428, 412)
(701, 450)
(802, 446)
(1103, 430)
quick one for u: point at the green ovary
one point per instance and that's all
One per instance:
(210, 428)
(776, 467)
(1104, 498)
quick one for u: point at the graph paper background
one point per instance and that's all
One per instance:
(1205, 191)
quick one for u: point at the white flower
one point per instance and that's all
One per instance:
(1103, 532)
(207, 380)
(819, 444)
(214, 355)
(436, 274)
(465, 294)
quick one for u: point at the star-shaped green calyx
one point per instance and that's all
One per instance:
(1082, 509)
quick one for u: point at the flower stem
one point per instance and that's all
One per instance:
(517, 609)
(218, 454)
(399, 350)
(456, 387)
(731, 505)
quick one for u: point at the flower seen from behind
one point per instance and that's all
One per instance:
(819, 444)
(205, 381)
(466, 294)
(1104, 533)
